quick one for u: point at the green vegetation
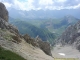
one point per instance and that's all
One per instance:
(33, 31)
(8, 55)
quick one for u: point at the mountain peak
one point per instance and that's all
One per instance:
(69, 16)
(70, 19)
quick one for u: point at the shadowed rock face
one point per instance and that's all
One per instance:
(45, 46)
(3, 12)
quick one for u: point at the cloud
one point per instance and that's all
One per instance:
(7, 4)
(46, 2)
(60, 1)
(22, 5)
(74, 7)
(42, 4)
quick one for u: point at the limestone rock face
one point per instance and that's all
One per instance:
(71, 36)
(3, 12)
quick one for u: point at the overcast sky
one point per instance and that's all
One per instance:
(42, 4)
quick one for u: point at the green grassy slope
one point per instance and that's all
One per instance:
(8, 55)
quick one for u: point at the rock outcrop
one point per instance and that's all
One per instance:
(71, 36)
(6, 25)
(3, 12)
(4, 20)
(30, 40)
(45, 46)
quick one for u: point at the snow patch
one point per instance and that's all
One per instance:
(62, 54)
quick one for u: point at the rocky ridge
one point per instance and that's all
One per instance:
(71, 36)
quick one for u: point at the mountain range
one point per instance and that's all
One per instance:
(43, 14)
(54, 21)
(47, 29)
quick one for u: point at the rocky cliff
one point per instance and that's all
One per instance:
(45, 46)
(11, 39)
(71, 36)
(3, 12)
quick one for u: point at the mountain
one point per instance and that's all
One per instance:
(55, 21)
(22, 47)
(58, 26)
(55, 26)
(71, 36)
(67, 45)
(42, 14)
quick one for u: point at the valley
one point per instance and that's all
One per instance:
(47, 29)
